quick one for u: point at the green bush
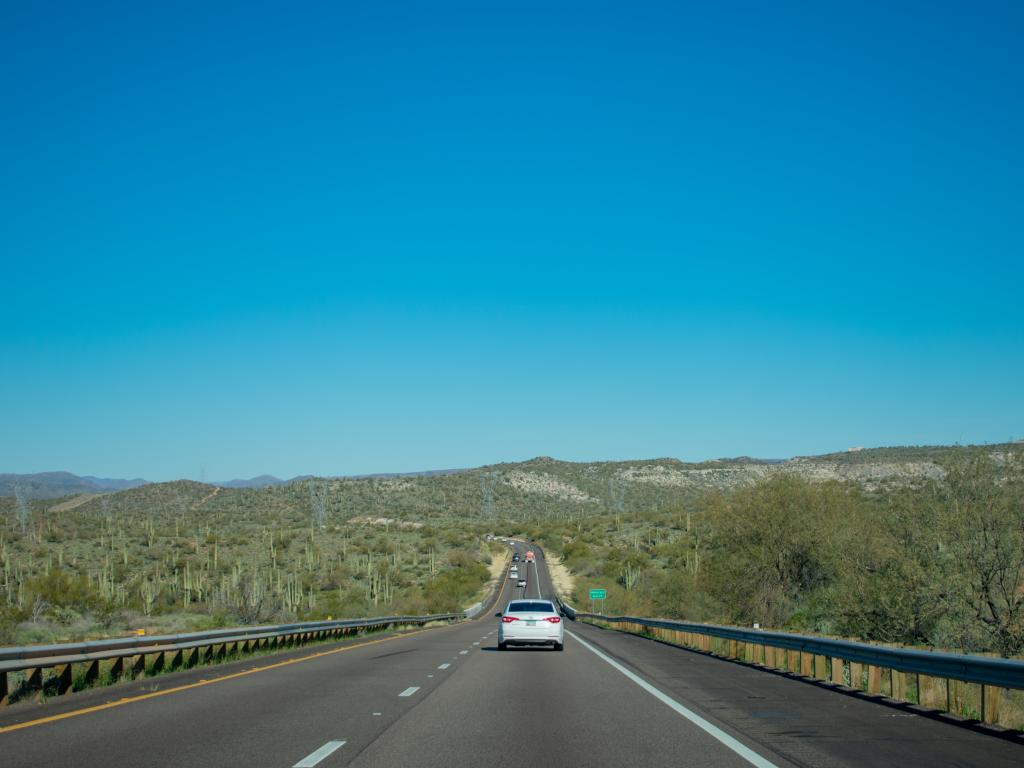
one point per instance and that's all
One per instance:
(449, 591)
(61, 591)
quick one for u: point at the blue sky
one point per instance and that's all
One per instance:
(360, 237)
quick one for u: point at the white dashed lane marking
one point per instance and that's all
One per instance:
(410, 690)
(444, 666)
(315, 757)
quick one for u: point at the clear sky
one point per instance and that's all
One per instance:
(360, 237)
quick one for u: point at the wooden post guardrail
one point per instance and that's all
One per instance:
(107, 658)
(981, 688)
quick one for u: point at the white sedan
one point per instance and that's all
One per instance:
(530, 622)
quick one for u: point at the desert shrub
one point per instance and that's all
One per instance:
(62, 591)
(455, 585)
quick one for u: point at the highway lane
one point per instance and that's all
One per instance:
(540, 707)
(448, 697)
(271, 717)
(805, 723)
(793, 720)
(463, 689)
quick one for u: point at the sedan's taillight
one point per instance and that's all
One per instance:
(508, 619)
(553, 619)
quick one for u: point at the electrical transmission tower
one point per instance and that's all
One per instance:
(488, 481)
(616, 495)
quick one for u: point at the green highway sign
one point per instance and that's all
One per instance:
(598, 594)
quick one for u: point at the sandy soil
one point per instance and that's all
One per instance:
(498, 566)
(78, 501)
(560, 576)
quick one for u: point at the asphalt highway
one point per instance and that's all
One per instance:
(447, 697)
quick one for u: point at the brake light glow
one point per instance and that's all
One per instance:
(553, 619)
(509, 619)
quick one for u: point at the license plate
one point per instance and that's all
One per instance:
(531, 623)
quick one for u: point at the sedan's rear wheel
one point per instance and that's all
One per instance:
(559, 646)
(502, 646)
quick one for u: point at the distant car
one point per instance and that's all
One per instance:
(530, 622)
(513, 573)
(522, 583)
(515, 558)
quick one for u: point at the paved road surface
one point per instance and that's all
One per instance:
(448, 697)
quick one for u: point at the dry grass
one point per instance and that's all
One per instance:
(74, 501)
(561, 578)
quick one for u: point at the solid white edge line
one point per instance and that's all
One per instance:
(315, 757)
(712, 730)
(410, 690)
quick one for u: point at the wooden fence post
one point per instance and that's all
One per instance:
(806, 664)
(931, 693)
(838, 678)
(63, 679)
(991, 698)
(34, 680)
(856, 676)
(92, 672)
(821, 667)
(899, 685)
(874, 679)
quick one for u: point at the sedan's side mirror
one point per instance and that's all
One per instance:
(497, 615)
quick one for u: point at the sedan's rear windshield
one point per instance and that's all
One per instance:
(524, 606)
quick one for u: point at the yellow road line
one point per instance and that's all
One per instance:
(232, 676)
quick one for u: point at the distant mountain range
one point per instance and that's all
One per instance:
(395, 475)
(53, 485)
(870, 467)
(260, 481)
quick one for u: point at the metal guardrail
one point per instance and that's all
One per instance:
(214, 643)
(844, 662)
(840, 661)
(1004, 673)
